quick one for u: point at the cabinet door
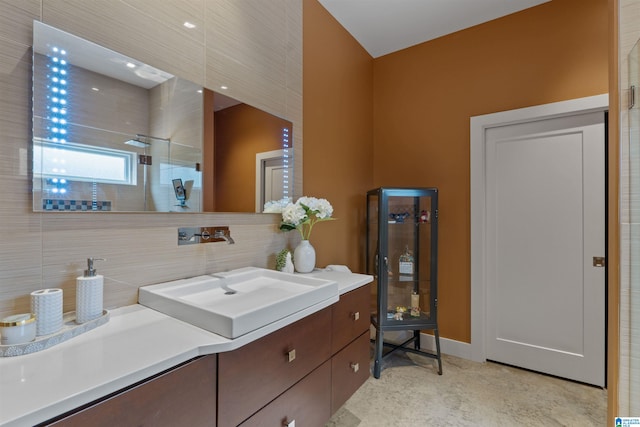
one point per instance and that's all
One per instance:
(349, 370)
(306, 404)
(350, 317)
(402, 246)
(184, 396)
(253, 375)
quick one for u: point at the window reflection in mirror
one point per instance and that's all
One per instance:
(113, 134)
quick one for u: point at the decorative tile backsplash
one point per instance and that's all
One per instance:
(75, 205)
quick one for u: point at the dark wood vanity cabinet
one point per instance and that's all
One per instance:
(182, 396)
(349, 370)
(298, 375)
(350, 345)
(351, 317)
(259, 385)
(253, 375)
(304, 404)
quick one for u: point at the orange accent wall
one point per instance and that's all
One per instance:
(241, 132)
(423, 98)
(338, 134)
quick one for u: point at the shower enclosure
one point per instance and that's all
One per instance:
(168, 176)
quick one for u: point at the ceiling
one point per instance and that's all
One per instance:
(90, 56)
(385, 26)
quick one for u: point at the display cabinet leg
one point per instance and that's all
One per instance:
(378, 354)
(437, 335)
(416, 340)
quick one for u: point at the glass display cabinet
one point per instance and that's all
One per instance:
(402, 255)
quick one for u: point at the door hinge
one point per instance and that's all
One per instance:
(599, 261)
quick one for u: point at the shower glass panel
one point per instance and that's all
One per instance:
(630, 298)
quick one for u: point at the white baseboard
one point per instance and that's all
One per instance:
(447, 346)
(428, 342)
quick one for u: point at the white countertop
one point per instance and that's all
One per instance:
(135, 344)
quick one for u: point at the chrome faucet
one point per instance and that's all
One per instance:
(193, 235)
(225, 235)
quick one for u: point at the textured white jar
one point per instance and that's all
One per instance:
(46, 306)
(89, 298)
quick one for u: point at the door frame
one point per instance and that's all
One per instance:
(261, 159)
(479, 124)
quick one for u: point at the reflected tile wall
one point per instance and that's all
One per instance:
(41, 250)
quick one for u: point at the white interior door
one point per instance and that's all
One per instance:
(545, 213)
(273, 178)
(270, 177)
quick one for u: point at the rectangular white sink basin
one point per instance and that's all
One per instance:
(234, 303)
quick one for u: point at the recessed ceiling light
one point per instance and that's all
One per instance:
(199, 90)
(95, 88)
(224, 87)
(131, 65)
(189, 25)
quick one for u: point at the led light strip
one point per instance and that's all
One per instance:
(285, 174)
(57, 108)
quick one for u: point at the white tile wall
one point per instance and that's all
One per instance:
(254, 46)
(629, 382)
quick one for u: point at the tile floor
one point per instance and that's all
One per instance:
(411, 393)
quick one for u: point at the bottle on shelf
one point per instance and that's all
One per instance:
(415, 304)
(406, 265)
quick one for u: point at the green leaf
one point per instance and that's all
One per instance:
(287, 227)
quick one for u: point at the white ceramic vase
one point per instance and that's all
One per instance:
(304, 257)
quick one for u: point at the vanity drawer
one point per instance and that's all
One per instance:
(185, 395)
(253, 375)
(349, 370)
(351, 317)
(305, 404)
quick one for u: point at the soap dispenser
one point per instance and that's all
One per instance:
(89, 293)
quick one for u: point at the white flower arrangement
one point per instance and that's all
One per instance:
(276, 206)
(301, 215)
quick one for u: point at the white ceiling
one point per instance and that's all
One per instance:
(385, 26)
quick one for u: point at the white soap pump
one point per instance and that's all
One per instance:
(89, 293)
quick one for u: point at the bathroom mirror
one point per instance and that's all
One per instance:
(112, 134)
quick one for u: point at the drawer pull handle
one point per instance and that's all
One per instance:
(355, 367)
(291, 423)
(355, 316)
(291, 355)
